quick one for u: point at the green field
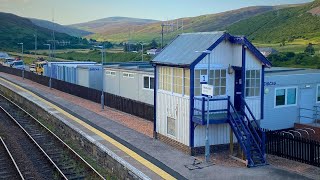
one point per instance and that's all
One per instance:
(95, 55)
(297, 46)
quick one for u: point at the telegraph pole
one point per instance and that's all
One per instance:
(35, 42)
(163, 25)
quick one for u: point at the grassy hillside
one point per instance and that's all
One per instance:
(59, 28)
(111, 24)
(95, 55)
(15, 29)
(147, 32)
(298, 25)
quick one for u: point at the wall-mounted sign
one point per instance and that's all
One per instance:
(270, 83)
(204, 79)
(207, 89)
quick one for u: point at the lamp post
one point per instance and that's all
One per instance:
(207, 145)
(102, 60)
(142, 50)
(35, 43)
(22, 58)
(49, 46)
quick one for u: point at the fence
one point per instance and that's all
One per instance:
(129, 106)
(292, 147)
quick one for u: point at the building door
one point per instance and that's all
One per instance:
(237, 89)
(306, 100)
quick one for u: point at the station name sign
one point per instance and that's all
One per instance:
(207, 89)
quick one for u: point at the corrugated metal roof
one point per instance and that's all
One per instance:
(182, 51)
(277, 71)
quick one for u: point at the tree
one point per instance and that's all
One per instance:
(309, 49)
(153, 44)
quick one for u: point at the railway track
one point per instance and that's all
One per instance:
(8, 166)
(61, 162)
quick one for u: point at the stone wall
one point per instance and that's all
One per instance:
(66, 133)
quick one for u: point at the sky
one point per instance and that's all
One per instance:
(77, 11)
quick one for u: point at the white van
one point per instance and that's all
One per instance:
(8, 61)
(17, 64)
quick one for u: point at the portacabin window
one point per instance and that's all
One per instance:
(285, 96)
(148, 82)
(253, 83)
(128, 75)
(110, 73)
(318, 93)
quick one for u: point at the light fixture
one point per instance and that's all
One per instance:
(230, 69)
(266, 91)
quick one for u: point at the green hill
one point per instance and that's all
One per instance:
(152, 30)
(15, 29)
(59, 28)
(294, 25)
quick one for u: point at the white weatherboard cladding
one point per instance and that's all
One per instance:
(83, 77)
(169, 105)
(218, 134)
(237, 55)
(252, 63)
(221, 57)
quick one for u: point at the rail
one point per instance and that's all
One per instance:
(315, 113)
(30, 137)
(48, 130)
(11, 157)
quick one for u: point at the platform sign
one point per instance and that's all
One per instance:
(207, 89)
(204, 79)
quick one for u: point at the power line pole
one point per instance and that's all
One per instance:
(35, 42)
(163, 25)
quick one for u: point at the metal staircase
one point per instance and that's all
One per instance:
(250, 136)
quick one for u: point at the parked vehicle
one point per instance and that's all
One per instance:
(39, 66)
(18, 64)
(8, 61)
(32, 68)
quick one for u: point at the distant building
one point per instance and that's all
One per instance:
(153, 51)
(291, 95)
(267, 51)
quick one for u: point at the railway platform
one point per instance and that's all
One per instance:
(128, 138)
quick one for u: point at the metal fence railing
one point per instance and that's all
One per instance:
(312, 114)
(123, 104)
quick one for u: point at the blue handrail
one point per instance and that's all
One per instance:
(254, 119)
(211, 99)
(261, 140)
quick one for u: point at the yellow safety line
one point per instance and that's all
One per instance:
(131, 153)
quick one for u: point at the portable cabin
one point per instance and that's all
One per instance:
(65, 71)
(133, 81)
(292, 95)
(90, 76)
(236, 73)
